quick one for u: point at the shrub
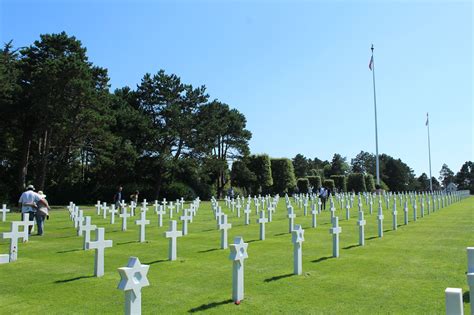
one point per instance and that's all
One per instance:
(176, 190)
(329, 184)
(283, 175)
(303, 185)
(340, 181)
(369, 183)
(356, 182)
(314, 181)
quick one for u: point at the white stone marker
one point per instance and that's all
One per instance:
(142, 223)
(113, 211)
(314, 212)
(104, 210)
(454, 301)
(470, 284)
(394, 216)
(291, 219)
(100, 244)
(335, 230)
(270, 213)
(161, 212)
(184, 219)
(86, 230)
(224, 226)
(4, 259)
(297, 239)
(173, 234)
(380, 221)
(124, 215)
(414, 212)
(4, 211)
(238, 206)
(470, 259)
(132, 279)
(361, 223)
(98, 206)
(247, 214)
(348, 213)
(238, 252)
(80, 219)
(262, 220)
(26, 223)
(14, 235)
(405, 213)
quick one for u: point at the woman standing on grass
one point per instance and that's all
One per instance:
(42, 212)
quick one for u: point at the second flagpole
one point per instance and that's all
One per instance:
(372, 67)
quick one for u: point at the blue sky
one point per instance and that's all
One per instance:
(298, 70)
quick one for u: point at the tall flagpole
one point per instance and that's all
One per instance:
(375, 111)
(429, 150)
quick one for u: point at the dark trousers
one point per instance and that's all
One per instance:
(31, 217)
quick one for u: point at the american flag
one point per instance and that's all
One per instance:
(371, 63)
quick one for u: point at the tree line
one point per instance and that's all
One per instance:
(67, 133)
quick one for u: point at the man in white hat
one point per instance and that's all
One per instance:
(28, 201)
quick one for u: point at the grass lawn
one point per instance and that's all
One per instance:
(406, 271)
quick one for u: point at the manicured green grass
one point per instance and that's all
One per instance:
(406, 271)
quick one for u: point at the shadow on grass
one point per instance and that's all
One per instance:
(251, 241)
(276, 278)
(281, 234)
(69, 236)
(208, 250)
(69, 251)
(209, 305)
(371, 238)
(155, 262)
(351, 246)
(129, 242)
(73, 279)
(209, 230)
(321, 259)
(465, 297)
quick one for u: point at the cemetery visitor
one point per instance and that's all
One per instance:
(118, 197)
(28, 202)
(323, 194)
(134, 197)
(42, 212)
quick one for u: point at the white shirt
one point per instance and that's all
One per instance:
(28, 197)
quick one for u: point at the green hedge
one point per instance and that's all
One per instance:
(314, 181)
(283, 175)
(340, 181)
(329, 184)
(356, 182)
(369, 183)
(303, 185)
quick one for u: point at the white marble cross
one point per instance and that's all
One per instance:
(80, 220)
(184, 220)
(113, 211)
(26, 223)
(86, 230)
(394, 216)
(247, 214)
(104, 210)
(142, 223)
(262, 220)
(454, 305)
(4, 211)
(270, 210)
(335, 231)
(100, 244)
(380, 221)
(348, 214)
(171, 206)
(144, 205)
(223, 227)
(161, 212)
(238, 206)
(414, 212)
(291, 218)
(173, 234)
(98, 206)
(238, 253)
(124, 215)
(297, 239)
(13, 235)
(314, 212)
(405, 212)
(132, 279)
(361, 223)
